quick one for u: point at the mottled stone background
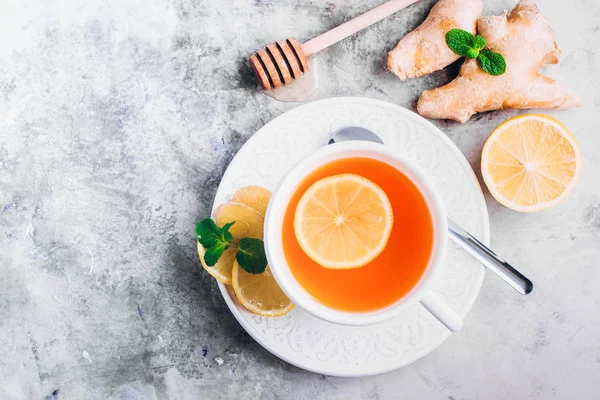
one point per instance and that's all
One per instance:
(117, 120)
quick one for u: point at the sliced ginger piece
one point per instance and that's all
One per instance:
(222, 270)
(526, 40)
(248, 222)
(255, 197)
(424, 50)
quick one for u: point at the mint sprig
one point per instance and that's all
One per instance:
(465, 44)
(209, 234)
(215, 240)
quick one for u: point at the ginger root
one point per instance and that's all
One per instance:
(526, 40)
(424, 50)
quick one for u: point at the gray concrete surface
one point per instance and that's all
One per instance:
(117, 119)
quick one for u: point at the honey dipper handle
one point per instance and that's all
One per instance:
(354, 25)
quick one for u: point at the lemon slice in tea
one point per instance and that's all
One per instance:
(343, 221)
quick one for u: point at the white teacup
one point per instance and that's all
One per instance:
(421, 292)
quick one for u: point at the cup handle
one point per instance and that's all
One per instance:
(442, 311)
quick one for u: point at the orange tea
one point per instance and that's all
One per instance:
(395, 271)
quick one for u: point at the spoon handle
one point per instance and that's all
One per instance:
(488, 258)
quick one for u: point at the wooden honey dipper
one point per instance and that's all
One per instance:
(281, 62)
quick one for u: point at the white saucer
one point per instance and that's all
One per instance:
(329, 349)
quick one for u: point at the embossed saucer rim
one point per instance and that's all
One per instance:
(406, 114)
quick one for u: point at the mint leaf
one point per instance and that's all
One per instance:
(207, 232)
(226, 235)
(492, 63)
(463, 43)
(212, 254)
(251, 255)
(479, 42)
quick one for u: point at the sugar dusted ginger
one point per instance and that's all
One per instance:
(424, 50)
(526, 40)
